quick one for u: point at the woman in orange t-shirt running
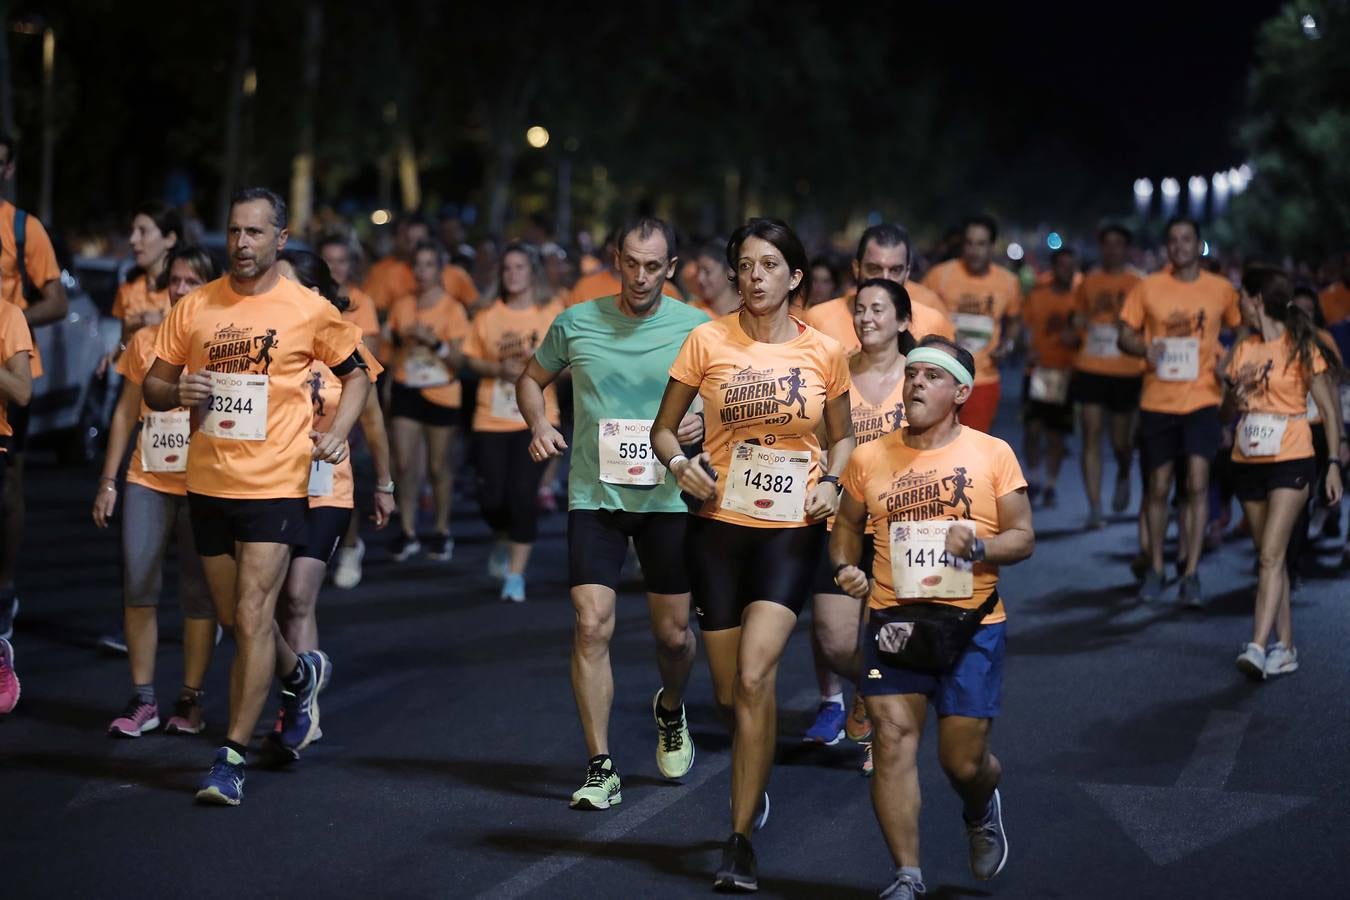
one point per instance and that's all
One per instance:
(155, 514)
(1269, 377)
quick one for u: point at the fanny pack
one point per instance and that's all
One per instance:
(927, 637)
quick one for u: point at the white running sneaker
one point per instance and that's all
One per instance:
(347, 575)
(1281, 660)
(1252, 662)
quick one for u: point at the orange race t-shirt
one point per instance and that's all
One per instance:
(962, 481)
(459, 284)
(1277, 384)
(1047, 314)
(759, 394)
(39, 261)
(134, 364)
(325, 392)
(1165, 307)
(1335, 302)
(391, 278)
(500, 332)
(135, 297)
(835, 318)
(450, 323)
(361, 312)
(15, 337)
(873, 420)
(1101, 296)
(279, 333)
(977, 305)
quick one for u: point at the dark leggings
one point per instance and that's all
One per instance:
(508, 483)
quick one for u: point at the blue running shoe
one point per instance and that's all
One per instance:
(224, 784)
(828, 729)
(300, 707)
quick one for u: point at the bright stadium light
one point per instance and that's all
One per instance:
(1015, 251)
(380, 217)
(1054, 241)
(1143, 189)
(537, 137)
(1309, 25)
(1171, 188)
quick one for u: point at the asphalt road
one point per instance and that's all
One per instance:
(1138, 762)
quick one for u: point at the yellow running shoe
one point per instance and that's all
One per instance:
(601, 789)
(674, 745)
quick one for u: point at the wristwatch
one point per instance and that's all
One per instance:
(385, 488)
(834, 480)
(977, 551)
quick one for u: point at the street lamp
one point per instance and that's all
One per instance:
(1171, 190)
(537, 136)
(1198, 187)
(1143, 196)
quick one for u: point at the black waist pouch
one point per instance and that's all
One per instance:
(927, 637)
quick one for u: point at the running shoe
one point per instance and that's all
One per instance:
(738, 872)
(1095, 520)
(138, 718)
(1151, 589)
(115, 643)
(301, 705)
(404, 547)
(9, 610)
(1049, 499)
(440, 547)
(904, 887)
(347, 575)
(674, 745)
(187, 717)
(1120, 500)
(1281, 660)
(513, 588)
(1139, 567)
(9, 681)
(1188, 592)
(828, 728)
(499, 561)
(601, 789)
(867, 765)
(1252, 662)
(988, 843)
(858, 727)
(224, 784)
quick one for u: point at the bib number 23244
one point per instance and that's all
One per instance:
(237, 407)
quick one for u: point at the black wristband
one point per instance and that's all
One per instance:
(834, 480)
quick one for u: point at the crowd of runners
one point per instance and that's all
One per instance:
(761, 429)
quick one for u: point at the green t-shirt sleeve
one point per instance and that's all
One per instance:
(553, 350)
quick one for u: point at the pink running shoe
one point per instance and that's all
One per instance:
(9, 682)
(187, 718)
(136, 720)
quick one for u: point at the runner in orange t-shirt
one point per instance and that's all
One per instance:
(16, 388)
(1324, 518)
(155, 230)
(881, 317)
(1335, 299)
(946, 507)
(428, 330)
(155, 515)
(500, 343)
(336, 251)
(984, 301)
(238, 353)
(1270, 376)
(1106, 382)
(770, 384)
(392, 277)
(1047, 414)
(1173, 319)
(883, 252)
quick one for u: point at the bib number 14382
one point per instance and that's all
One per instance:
(767, 483)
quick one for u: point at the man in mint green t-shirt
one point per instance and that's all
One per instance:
(620, 350)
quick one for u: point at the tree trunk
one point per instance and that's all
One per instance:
(48, 125)
(234, 104)
(302, 164)
(409, 182)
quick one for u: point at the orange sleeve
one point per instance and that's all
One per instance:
(692, 360)
(119, 306)
(854, 478)
(839, 378)
(1132, 313)
(459, 285)
(1235, 361)
(373, 367)
(15, 335)
(1008, 475)
(456, 325)
(335, 339)
(475, 341)
(38, 256)
(171, 344)
(1232, 313)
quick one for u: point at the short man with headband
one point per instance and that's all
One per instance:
(946, 505)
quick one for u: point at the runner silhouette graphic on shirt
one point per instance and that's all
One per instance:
(795, 383)
(959, 483)
(896, 417)
(315, 392)
(266, 343)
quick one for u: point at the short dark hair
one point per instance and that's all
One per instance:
(166, 218)
(1062, 252)
(886, 234)
(430, 247)
(781, 235)
(963, 356)
(1181, 220)
(1115, 228)
(332, 239)
(646, 226)
(196, 257)
(249, 194)
(312, 272)
(713, 249)
(983, 220)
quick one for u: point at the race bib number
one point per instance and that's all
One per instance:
(425, 372)
(1261, 434)
(503, 405)
(767, 483)
(237, 407)
(1049, 385)
(1180, 360)
(320, 478)
(164, 441)
(1102, 341)
(922, 568)
(626, 455)
(973, 332)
